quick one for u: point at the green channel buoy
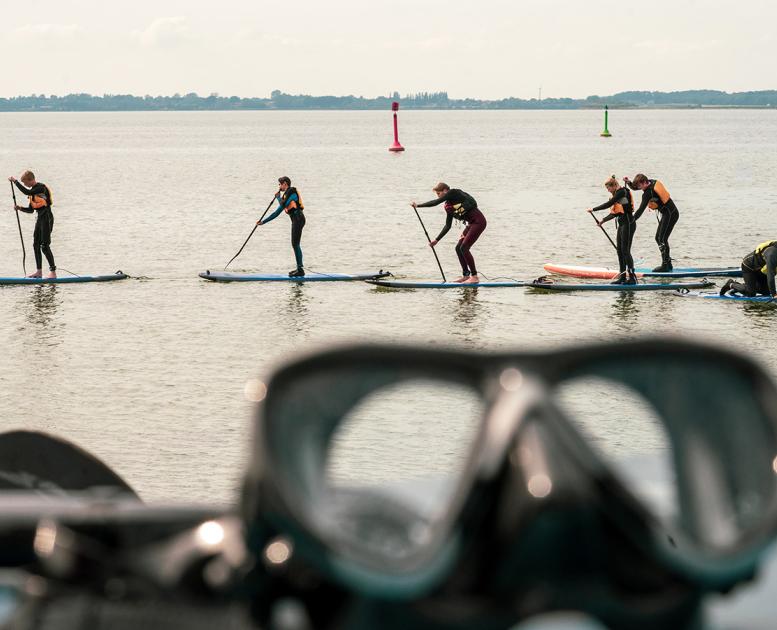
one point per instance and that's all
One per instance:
(606, 133)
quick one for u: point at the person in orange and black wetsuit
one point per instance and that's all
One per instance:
(461, 206)
(40, 201)
(289, 200)
(621, 205)
(656, 197)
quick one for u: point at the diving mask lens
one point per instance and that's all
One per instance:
(375, 453)
(692, 436)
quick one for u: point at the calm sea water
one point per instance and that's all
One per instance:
(149, 373)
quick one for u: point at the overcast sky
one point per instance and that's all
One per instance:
(483, 49)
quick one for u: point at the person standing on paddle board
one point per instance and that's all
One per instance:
(290, 201)
(758, 272)
(462, 207)
(40, 201)
(621, 205)
(656, 197)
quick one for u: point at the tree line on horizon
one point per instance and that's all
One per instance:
(423, 100)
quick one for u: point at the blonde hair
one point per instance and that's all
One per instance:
(612, 182)
(441, 186)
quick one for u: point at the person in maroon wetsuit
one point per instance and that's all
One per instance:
(462, 207)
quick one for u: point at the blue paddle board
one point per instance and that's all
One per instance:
(66, 280)
(403, 284)
(765, 299)
(581, 286)
(226, 276)
(694, 272)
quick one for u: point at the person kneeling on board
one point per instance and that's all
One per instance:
(656, 197)
(621, 205)
(290, 201)
(462, 207)
(758, 271)
(40, 201)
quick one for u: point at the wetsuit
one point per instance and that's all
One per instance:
(290, 202)
(758, 272)
(656, 196)
(462, 207)
(622, 210)
(44, 225)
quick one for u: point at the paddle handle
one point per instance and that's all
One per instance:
(266, 210)
(442, 273)
(19, 225)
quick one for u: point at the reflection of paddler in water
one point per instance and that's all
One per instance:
(462, 207)
(625, 306)
(43, 303)
(297, 313)
(621, 205)
(758, 271)
(298, 302)
(656, 197)
(468, 309)
(290, 201)
(40, 201)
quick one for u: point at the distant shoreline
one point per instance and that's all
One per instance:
(226, 111)
(279, 101)
(43, 110)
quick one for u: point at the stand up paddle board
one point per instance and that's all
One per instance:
(402, 284)
(607, 273)
(66, 280)
(765, 299)
(581, 286)
(226, 276)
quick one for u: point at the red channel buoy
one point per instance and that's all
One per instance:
(396, 146)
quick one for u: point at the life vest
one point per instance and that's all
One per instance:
(758, 259)
(618, 208)
(660, 196)
(293, 205)
(460, 210)
(41, 201)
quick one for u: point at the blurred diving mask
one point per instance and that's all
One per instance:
(624, 480)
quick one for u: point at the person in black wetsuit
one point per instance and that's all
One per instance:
(656, 197)
(40, 201)
(462, 207)
(758, 271)
(621, 205)
(290, 201)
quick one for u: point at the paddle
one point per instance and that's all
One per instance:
(601, 227)
(442, 273)
(615, 247)
(19, 223)
(252, 231)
